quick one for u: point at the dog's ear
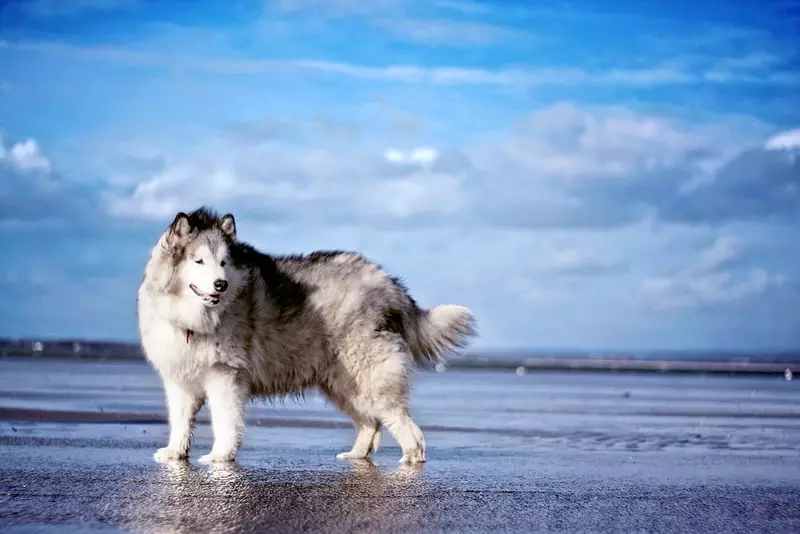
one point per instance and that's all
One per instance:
(228, 226)
(180, 227)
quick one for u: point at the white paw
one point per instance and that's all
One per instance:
(351, 456)
(214, 457)
(414, 458)
(168, 455)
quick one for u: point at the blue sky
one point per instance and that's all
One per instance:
(581, 174)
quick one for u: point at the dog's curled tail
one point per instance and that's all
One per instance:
(444, 328)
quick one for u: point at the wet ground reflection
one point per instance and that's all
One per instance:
(554, 452)
(181, 497)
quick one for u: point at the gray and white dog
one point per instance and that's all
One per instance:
(223, 323)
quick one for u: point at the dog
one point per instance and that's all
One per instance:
(223, 323)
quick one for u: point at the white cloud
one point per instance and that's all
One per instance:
(576, 261)
(710, 290)
(709, 280)
(562, 166)
(424, 156)
(52, 8)
(566, 165)
(394, 155)
(521, 77)
(322, 185)
(404, 20)
(26, 156)
(721, 252)
(444, 32)
(32, 195)
(784, 141)
(415, 194)
(569, 142)
(166, 192)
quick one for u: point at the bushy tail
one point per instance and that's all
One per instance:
(444, 328)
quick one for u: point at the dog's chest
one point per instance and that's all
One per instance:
(179, 354)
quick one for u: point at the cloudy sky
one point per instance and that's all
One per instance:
(581, 174)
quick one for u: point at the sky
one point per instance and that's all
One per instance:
(582, 175)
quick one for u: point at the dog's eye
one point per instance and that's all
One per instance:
(222, 264)
(199, 262)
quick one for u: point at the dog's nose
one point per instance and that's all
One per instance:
(220, 285)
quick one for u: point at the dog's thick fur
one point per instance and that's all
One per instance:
(284, 324)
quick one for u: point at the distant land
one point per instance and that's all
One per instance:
(786, 363)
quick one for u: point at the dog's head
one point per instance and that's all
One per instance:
(199, 249)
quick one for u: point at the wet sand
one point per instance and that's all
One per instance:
(549, 452)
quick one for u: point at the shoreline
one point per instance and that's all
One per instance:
(44, 415)
(519, 365)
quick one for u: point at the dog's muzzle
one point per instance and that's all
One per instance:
(207, 297)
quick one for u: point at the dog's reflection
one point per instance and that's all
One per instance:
(219, 479)
(187, 497)
(182, 474)
(367, 474)
(225, 473)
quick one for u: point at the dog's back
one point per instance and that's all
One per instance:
(352, 292)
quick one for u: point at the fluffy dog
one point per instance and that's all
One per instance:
(223, 323)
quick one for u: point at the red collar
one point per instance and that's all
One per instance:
(188, 333)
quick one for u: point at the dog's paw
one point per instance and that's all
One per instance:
(414, 458)
(350, 455)
(214, 457)
(168, 455)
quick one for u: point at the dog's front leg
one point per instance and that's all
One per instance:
(227, 397)
(183, 406)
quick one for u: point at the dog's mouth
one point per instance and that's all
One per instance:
(207, 297)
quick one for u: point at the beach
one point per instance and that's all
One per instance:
(536, 452)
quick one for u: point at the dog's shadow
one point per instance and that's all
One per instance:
(226, 496)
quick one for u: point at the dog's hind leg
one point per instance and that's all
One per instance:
(367, 440)
(368, 430)
(407, 434)
(389, 393)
